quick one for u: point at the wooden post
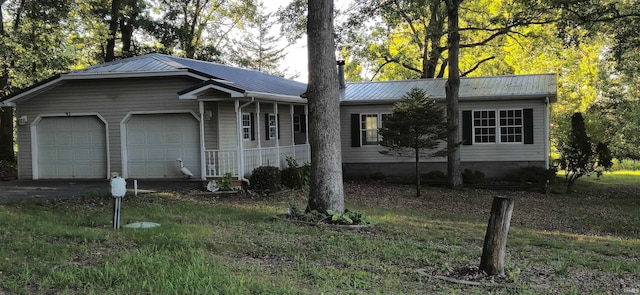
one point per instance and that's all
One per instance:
(495, 240)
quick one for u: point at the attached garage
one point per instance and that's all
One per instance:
(155, 141)
(70, 147)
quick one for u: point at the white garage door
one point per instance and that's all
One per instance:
(154, 142)
(71, 147)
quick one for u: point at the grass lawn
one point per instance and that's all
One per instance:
(582, 243)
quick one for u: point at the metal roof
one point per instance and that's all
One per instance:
(494, 87)
(257, 83)
(249, 80)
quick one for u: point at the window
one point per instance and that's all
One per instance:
(484, 126)
(369, 126)
(507, 127)
(272, 125)
(369, 129)
(297, 125)
(511, 126)
(246, 126)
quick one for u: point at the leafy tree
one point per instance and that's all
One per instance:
(417, 126)
(326, 189)
(579, 155)
(259, 49)
(184, 27)
(32, 48)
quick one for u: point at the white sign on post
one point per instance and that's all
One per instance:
(118, 190)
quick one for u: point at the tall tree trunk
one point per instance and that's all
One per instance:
(417, 172)
(326, 189)
(495, 240)
(6, 113)
(454, 177)
(110, 54)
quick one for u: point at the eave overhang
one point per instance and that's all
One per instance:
(56, 80)
(542, 97)
(197, 91)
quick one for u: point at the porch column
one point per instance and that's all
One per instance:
(275, 111)
(203, 166)
(239, 137)
(293, 132)
(258, 136)
(306, 124)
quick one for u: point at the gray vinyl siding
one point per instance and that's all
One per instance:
(112, 99)
(228, 138)
(211, 126)
(468, 153)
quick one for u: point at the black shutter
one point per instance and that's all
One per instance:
(278, 124)
(303, 123)
(527, 115)
(467, 128)
(266, 126)
(355, 130)
(253, 126)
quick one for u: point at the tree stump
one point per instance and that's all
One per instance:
(495, 240)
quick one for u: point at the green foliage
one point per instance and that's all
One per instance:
(436, 176)
(296, 176)
(331, 216)
(417, 127)
(265, 180)
(8, 170)
(579, 156)
(348, 217)
(378, 176)
(472, 177)
(619, 165)
(226, 182)
(533, 174)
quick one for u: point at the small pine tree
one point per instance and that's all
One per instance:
(416, 127)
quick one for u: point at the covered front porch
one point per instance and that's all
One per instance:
(239, 134)
(219, 162)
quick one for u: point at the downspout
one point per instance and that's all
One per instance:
(275, 111)
(239, 136)
(547, 145)
(203, 168)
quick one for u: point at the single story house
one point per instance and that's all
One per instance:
(138, 115)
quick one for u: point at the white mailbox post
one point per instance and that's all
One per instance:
(118, 190)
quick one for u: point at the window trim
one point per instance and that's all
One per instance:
(272, 124)
(497, 127)
(297, 126)
(246, 128)
(362, 132)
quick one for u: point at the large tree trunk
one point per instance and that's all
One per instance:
(110, 54)
(326, 189)
(495, 240)
(6, 113)
(454, 177)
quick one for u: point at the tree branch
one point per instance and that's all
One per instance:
(464, 74)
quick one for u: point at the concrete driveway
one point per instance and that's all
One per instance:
(17, 190)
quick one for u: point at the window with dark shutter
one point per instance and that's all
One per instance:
(355, 130)
(528, 125)
(467, 128)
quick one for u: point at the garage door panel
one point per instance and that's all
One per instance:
(155, 141)
(71, 147)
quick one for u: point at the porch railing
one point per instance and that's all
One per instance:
(219, 162)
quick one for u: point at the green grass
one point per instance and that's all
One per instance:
(223, 247)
